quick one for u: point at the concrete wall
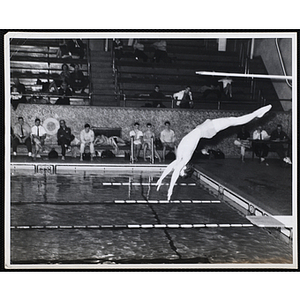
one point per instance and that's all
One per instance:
(182, 121)
(266, 48)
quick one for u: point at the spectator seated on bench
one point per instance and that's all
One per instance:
(109, 139)
(167, 137)
(114, 141)
(71, 48)
(78, 81)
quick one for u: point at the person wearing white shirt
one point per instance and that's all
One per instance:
(137, 135)
(184, 98)
(38, 134)
(87, 137)
(261, 150)
(167, 137)
(227, 87)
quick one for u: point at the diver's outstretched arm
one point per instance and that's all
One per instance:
(174, 177)
(167, 170)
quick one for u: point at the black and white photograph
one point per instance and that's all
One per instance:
(150, 150)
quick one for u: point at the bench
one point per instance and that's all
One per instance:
(108, 132)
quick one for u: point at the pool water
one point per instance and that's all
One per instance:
(118, 217)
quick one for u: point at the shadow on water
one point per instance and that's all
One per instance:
(146, 196)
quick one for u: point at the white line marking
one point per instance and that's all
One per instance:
(199, 225)
(132, 226)
(147, 226)
(160, 225)
(166, 201)
(186, 225)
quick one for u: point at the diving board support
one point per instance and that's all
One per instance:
(265, 221)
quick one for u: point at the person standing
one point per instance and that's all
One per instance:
(87, 137)
(22, 133)
(38, 134)
(167, 137)
(64, 138)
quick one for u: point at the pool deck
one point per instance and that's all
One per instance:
(268, 186)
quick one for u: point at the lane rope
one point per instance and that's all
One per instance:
(131, 226)
(86, 202)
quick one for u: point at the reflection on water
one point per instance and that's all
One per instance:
(83, 202)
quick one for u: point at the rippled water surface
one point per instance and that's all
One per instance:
(74, 219)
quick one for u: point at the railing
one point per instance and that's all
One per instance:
(46, 57)
(131, 151)
(115, 76)
(88, 58)
(126, 99)
(152, 152)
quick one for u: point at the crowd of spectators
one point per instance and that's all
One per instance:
(34, 139)
(67, 83)
(35, 136)
(260, 145)
(70, 81)
(157, 52)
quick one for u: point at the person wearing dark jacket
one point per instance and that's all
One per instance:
(65, 93)
(77, 80)
(279, 135)
(64, 138)
(157, 94)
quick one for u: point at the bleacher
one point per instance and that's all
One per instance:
(136, 77)
(32, 59)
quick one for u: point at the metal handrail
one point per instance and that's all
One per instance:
(115, 74)
(146, 99)
(131, 151)
(152, 151)
(88, 57)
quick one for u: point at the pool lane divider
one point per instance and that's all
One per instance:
(146, 183)
(166, 201)
(45, 166)
(131, 226)
(85, 202)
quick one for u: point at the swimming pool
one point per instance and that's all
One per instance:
(114, 216)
